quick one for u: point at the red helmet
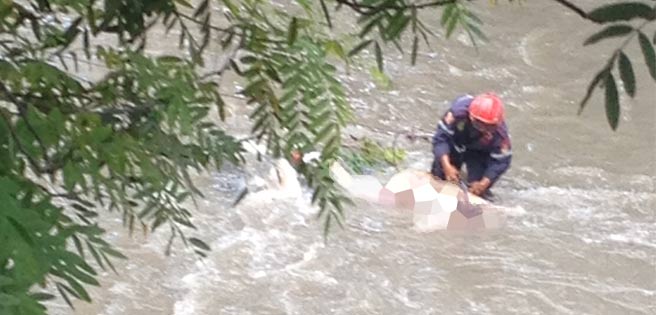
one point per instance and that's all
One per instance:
(487, 107)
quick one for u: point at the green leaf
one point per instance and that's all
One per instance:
(42, 296)
(240, 197)
(451, 25)
(359, 47)
(78, 245)
(8, 300)
(326, 226)
(79, 289)
(62, 291)
(379, 56)
(414, 19)
(476, 30)
(415, 46)
(610, 31)
(326, 14)
(79, 275)
(184, 3)
(612, 102)
(5, 281)
(248, 59)
(333, 46)
(447, 14)
(226, 40)
(169, 60)
(113, 253)
(396, 26)
(601, 75)
(623, 11)
(108, 262)
(475, 19)
(199, 244)
(36, 28)
(306, 6)
(380, 78)
(373, 21)
(627, 75)
(232, 7)
(22, 231)
(471, 37)
(72, 31)
(100, 134)
(202, 8)
(648, 52)
(293, 31)
(327, 131)
(71, 176)
(255, 88)
(85, 43)
(220, 104)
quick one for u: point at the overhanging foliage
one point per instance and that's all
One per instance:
(70, 147)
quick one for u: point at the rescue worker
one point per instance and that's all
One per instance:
(473, 132)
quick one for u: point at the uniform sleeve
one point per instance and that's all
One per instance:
(443, 137)
(500, 156)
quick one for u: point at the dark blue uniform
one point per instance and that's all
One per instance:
(485, 155)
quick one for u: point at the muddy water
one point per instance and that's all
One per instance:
(586, 244)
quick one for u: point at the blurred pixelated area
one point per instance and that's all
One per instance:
(434, 204)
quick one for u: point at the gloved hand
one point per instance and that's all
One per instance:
(479, 187)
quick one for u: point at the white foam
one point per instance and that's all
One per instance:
(455, 71)
(184, 307)
(308, 256)
(635, 236)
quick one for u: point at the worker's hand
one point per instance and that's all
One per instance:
(451, 173)
(479, 187)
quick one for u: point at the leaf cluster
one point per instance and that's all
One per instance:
(129, 141)
(615, 18)
(70, 147)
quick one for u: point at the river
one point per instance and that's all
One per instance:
(586, 243)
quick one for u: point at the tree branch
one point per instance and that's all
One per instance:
(19, 145)
(223, 67)
(576, 9)
(216, 28)
(229, 30)
(22, 111)
(369, 9)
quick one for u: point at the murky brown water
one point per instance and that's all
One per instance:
(586, 245)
